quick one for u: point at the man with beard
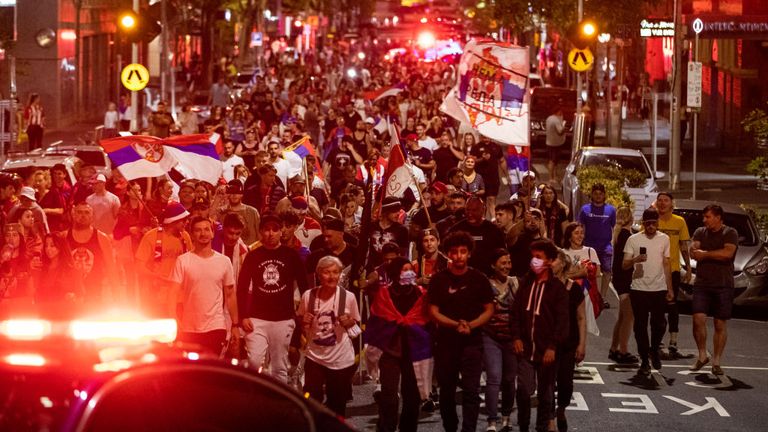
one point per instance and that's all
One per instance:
(362, 140)
(456, 203)
(203, 281)
(265, 290)
(92, 253)
(249, 214)
(297, 187)
(507, 220)
(388, 229)
(527, 193)
(438, 209)
(282, 166)
(487, 236)
(521, 252)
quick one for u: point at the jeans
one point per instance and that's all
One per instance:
(566, 361)
(672, 313)
(647, 304)
(502, 370)
(272, 336)
(453, 357)
(398, 372)
(337, 383)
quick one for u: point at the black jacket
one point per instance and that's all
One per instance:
(543, 330)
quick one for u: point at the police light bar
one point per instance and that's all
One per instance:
(25, 329)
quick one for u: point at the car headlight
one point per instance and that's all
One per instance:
(758, 269)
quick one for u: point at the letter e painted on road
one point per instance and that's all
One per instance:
(712, 403)
(644, 404)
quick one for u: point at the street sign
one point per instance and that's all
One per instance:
(257, 39)
(580, 60)
(694, 85)
(134, 77)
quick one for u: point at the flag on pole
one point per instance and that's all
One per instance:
(518, 162)
(375, 95)
(398, 177)
(491, 92)
(137, 156)
(297, 152)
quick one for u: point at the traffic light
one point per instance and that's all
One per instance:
(138, 27)
(583, 34)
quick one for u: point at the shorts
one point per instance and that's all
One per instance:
(553, 153)
(714, 301)
(491, 189)
(606, 259)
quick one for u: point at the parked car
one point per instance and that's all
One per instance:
(92, 155)
(128, 375)
(622, 158)
(200, 106)
(750, 267)
(25, 164)
(543, 102)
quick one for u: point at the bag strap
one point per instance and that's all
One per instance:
(342, 301)
(312, 298)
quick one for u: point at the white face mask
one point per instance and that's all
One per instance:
(537, 265)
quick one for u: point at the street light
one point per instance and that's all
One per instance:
(426, 39)
(128, 21)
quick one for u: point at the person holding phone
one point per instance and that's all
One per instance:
(647, 254)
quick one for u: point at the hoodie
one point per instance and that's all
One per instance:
(540, 316)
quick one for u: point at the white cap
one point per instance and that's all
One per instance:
(101, 178)
(28, 192)
(370, 120)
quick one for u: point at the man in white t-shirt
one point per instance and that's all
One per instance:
(425, 141)
(105, 205)
(203, 281)
(230, 160)
(648, 253)
(282, 166)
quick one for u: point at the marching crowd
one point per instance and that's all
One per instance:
(321, 270)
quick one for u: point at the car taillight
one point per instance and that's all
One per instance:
(25, 359)
(28, 330)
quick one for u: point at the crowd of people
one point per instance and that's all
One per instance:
(321, 273)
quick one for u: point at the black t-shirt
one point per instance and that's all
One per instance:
(489, 169)
(350, 120)
(423, 156)
(444, 161)
(396, 233)
(272, 272)
(488, 237)
(715, 273)
(460, 297)
(521, 255)
(575, 297)
(339, 160)
(621, 279)
(359, 144)
(420, 218)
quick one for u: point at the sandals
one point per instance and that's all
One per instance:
(700, 364)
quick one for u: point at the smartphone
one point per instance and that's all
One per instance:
(642, 250)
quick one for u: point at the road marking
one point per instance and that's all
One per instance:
(712, 403)
(587, 375)
(643, 404)
(682, 366)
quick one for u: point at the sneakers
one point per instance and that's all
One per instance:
(377, 393)
(613, 355)
(627, 358)
(428, 406)
(505, 423)
(491, 426)
(645, 368)
(655, 360)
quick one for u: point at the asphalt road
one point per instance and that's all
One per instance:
(609, 398)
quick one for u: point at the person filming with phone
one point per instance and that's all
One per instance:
(647, 253)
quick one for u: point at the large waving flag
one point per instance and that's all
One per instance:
(491, 92)
(375, 95)
(398, 177)
(137, 156)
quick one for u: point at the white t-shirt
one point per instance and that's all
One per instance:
(229, 167)
(428, 143)
(105, 209)
(585, 253)
(329, 344)
(283, 168)
(202, 290)
(651, 271)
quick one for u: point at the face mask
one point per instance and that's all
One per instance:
(408, 277)
(537, 265)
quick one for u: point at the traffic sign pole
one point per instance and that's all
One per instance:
(134, 95)
(695, 119)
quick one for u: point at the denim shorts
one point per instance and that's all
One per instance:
(606, 259)
(714, 301)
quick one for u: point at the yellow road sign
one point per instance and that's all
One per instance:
(134, 77)
(580, 60)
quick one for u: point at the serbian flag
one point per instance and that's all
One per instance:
(137, 156)
(297, 152)
(375, 95)
(518, 162)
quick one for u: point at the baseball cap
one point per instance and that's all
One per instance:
(412, 137)
(370, 120)
(391, 204)
(174, 212)
(270, 219)
(530, 174)
(235, 187)
(299, 203)
(438, 187)
(333, 224)
(101, 178)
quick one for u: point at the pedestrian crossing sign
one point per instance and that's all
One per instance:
(134, 77)
(580, 60)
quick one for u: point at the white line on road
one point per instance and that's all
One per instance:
(682, 366)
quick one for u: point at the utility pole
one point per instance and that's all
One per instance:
(135, 125)
(163, 52)
(677, 81)
(579, 102)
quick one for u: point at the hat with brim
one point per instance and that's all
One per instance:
(174, 212)
(28, 193)
(270, 220)
(391, 204)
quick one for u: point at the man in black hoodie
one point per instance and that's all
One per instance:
(539, 323)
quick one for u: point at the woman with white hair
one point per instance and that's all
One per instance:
(330, 318)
